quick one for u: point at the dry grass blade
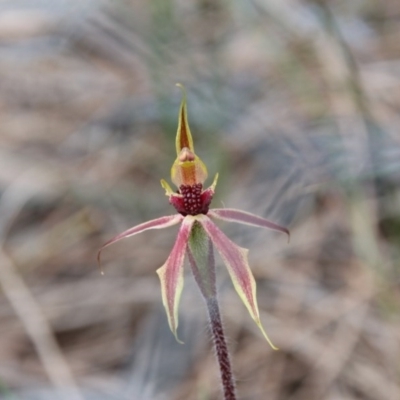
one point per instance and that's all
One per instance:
(25, 305)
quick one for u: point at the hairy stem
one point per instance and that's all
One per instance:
(221, 349)
(201, 258)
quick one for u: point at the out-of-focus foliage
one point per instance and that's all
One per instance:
(296, 103)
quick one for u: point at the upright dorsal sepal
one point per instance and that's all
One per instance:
(187, 169)
(183, 136)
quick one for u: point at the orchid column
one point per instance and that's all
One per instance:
(196, 237)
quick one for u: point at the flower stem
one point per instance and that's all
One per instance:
(221, 349)
(201, 258)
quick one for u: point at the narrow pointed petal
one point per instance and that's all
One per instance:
(214, 184)
(242, 217)
(171, 275)
(158, 223)
(235, 259)
(168, 191)
(183, 135)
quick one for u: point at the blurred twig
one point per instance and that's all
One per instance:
(24, 304)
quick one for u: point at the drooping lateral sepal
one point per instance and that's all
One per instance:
(235, 259)
(171, 275)
(201, 258)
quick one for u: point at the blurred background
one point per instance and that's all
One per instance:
(296, 103)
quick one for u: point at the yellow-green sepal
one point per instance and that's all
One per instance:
(183, 135)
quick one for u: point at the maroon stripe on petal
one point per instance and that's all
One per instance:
(158, 223)
(242, 217)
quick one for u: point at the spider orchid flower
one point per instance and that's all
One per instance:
(196, 220)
